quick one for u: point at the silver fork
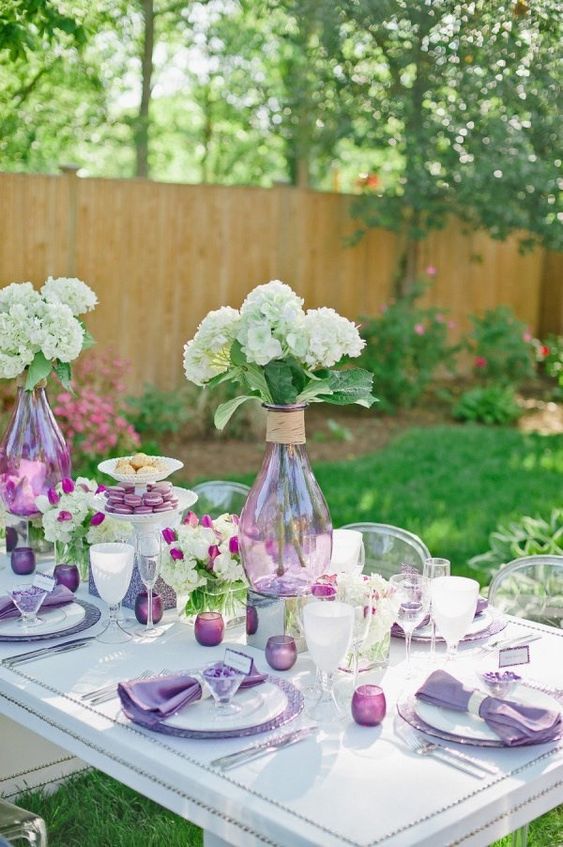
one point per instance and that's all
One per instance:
(426, 748)
(100, 695)
(499, 643)
(112, 690)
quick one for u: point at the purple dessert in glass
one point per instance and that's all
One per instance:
(27, 600)
(223, 682)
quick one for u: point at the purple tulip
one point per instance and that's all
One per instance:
(233, 545)
(97, 519)
(176, 553)
(207, 521)
(191, 519)
(169, 535)
(53, 497)
(64, 516)
(67, 485)
(100, 489)
(213, 552)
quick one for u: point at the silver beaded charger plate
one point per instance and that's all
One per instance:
(482, 627)
(86, 616)
(293, 708)
(407, 710)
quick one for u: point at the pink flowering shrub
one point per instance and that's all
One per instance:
(93, 419)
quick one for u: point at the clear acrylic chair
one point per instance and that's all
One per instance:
(218, 496)
(532, 588)
(388, 547)
(18, 826)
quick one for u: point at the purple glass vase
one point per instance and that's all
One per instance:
(285, 531)
(33, 453)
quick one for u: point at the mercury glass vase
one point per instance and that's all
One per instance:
(285, 530)
(33, 453)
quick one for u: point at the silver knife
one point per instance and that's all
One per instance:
(463, 757)
(257, 750)
(500, 643)
(32, 655)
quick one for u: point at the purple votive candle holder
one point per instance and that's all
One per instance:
(368, 705)
(142, 607)
(67, 575)
(281, 652)
(209, 629)
(22, 560)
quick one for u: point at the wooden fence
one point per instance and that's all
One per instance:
(160, 256)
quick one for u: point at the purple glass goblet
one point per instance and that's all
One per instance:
(67, 575)
(209, 629)
(22, 560)
(281, 652)
(368, 705)
(142, 607)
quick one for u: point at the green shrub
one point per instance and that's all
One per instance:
(159, 412)
(550, 355)
(502, 347)
(404, 348)
(489, 404)
(525, 537)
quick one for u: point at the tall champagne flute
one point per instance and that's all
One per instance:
(434, 568)
(413, 594)
(112, 567)
(328, 631)
(149, 559)
(360, 597)
(454, 601)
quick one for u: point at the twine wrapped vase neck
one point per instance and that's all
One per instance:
(285, 424)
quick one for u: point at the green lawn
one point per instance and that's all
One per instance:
(451, 485)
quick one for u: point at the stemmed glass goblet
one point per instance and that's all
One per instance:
(413, 594)
(27, 599)
(112, 567)
(328, 632)
(360, 598)
(434, 568)
(149, 559)
(454, 601)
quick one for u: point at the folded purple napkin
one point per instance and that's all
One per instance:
(514, 723)
(59, 596)
(149, 701)
(482, 604)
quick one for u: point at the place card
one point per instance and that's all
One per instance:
(44, 581)
(514, 656)
(238, 661)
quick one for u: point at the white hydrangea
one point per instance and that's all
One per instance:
(20, 335)
(181, 574)
(195, 541)
(109, 530)
(274, 303)
(207, 354)
(22, 293)
(330, 337)
(269, 314)
(71, 292)
(225, 526)
(227, 568)
(62, 335)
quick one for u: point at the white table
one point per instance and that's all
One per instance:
(354, 788)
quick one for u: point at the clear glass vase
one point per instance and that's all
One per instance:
(228, 598)
(33, 453)
(285, 530)
(74, 553)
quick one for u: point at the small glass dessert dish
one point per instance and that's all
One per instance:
(500, 683)
(27, 600)
(223, 682)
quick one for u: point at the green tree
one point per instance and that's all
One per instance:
(464, 94)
